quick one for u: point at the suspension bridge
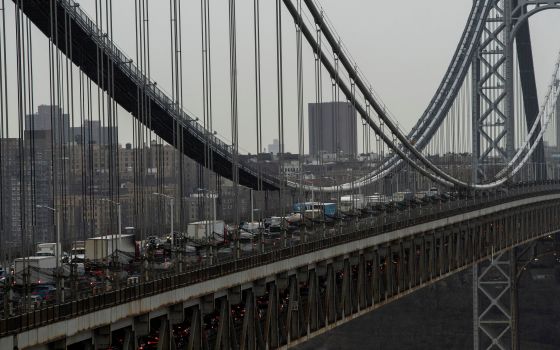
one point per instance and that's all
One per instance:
(183, 238)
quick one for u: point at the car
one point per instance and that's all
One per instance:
(46, 292)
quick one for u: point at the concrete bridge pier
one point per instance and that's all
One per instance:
(140, 328)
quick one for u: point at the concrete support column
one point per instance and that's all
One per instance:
(401, 266)
(166, 340)
(338, 267)
(411, 263)
(346, 297)
(423, 258)
(368, 275)
(140, 327)
(313, 303)
(388, 278)
(58, 345)
(293, 319)
(128, 343)
(248, 339)
(195, 338)
(223, 334)
(102, 338)
(376, 278)
(440, 253)
(431, 257)
(361, 290)
(271, 329)
(331, 297)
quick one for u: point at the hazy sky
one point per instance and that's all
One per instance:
(403, 47)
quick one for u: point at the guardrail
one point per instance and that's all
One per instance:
(75, 308)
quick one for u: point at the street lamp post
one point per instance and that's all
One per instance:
(207, 225)
(333, 183)
(171, 205)
(119, 215)
(59, 282)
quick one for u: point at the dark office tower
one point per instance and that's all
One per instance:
(10, 195)
(48, 126)
(333, 128)
(47, 136)
(92, 132)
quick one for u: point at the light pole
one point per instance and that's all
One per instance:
(171, 203)
(60, 285)
(119, 228)
(333, 183)
(214, 195)
(57, 214)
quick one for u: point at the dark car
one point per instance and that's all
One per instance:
(45, 291)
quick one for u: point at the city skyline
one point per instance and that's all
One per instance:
(361, 25)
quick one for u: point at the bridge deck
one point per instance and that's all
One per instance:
(43, 326)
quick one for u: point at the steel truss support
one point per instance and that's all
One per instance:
(493, 117)
(493, 304)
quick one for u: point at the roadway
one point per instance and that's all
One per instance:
(315, 247)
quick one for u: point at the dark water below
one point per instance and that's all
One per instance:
(440, 317)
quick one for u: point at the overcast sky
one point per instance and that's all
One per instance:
(403, 47)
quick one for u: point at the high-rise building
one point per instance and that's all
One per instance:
(274, 147)
(10, 198)
(333, 128)
(92, 132)
(49, 122)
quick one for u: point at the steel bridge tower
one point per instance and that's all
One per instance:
(506, 30)
(493, 140)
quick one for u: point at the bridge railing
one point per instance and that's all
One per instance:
(150, 88)
(205, 271)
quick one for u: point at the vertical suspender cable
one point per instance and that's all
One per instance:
(300, 100)
(207, 102)
(258, 103)
(234, 117)
(280, 104)
(4, 134)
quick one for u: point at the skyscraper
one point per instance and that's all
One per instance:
(333, 128)
(49, 122)
(92, 132)
(274, 147)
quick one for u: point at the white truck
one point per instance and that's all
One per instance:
(47, 249)
(102, 247)
(403, 196)
(376, 199)
(206, 229)
(40, 269)
(352, 202)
